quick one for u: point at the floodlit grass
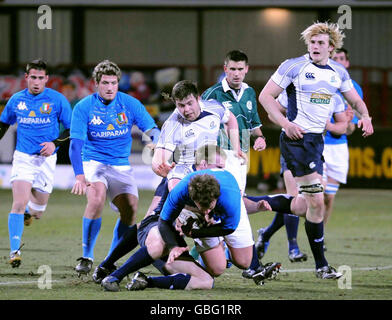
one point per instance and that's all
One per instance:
(358, 235)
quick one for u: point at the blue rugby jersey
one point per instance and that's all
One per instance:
(334, 139)
(106, 129)
(37, 116)
(228, 206)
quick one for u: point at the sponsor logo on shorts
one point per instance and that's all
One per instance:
(320, 98)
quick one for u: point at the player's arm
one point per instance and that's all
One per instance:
(234, 135)
(3, 128)
(152, 137)
(359, 105)
(75, 155)
(215, 230)
(267, 98)
(339, 127)
(260, 141)
(49, 147)
(160, 162)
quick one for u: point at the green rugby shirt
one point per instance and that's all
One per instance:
(245, 110)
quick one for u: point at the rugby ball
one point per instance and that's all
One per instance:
(189, 217)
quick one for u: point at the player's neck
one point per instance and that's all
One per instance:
(104, 101)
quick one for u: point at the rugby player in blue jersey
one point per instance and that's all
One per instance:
(100, 147)
(336, 153)
(311, 81)
(37, 111)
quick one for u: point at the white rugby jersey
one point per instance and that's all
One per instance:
(310, 91)
(187, 136)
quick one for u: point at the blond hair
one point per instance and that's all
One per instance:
(106, 67)
(331, 29)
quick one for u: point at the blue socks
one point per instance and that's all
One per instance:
(275, 225)
(255, 260)
(291, 222)
(176, 281)
(127, 243)
(15, 230)
(91, 228)
(119, 229)
(315, 233)
(138, 260)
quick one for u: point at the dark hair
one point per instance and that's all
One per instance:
(37, 64)
(203, 189)
(345, 51)
(183, 89)
(236, 55)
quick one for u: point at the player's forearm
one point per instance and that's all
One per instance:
(62, 138)
(3, 128)
(215, 230)
(168, 233)
(273, 109)
(75, 155)
(337, 128)
(233, 133)
(360, 106)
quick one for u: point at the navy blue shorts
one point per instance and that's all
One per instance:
(303, 156)
(147, 224)
(162, 188)
(283, 166)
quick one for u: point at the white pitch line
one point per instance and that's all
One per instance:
(355, 269)
(10, 283)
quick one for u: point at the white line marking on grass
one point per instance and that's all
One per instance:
(15, 283)
(359, 269)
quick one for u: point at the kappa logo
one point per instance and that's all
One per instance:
(96, 120)
(310, 75)
(22, 105)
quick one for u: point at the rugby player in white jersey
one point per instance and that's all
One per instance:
(311, 81)
(192, 124)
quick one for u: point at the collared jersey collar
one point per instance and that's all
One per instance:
(226, 88)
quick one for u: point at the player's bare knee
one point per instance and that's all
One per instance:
(155, 244)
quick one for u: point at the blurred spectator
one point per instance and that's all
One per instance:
(68, 89)
(139, 88)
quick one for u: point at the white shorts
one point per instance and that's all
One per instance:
(36, 169)
(336, 163)
(117, 179)
(180, 171)
(240, 238)
(239, 170)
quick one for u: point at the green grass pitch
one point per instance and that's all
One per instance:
(358, 236)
